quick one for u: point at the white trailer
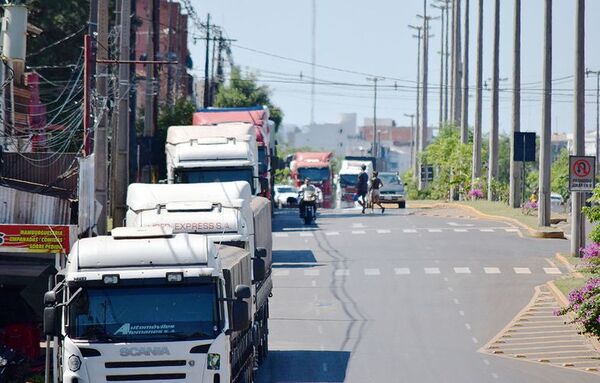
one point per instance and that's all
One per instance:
(148, 305)
(225, 212)
(213, 153)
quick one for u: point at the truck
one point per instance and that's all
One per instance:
(348, 176)
(208, 153)
(317, 167)
(265, 135)
(227, 214)
(146, 304)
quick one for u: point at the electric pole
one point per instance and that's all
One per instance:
(313, 61)
(478, 96)
(457, 64)
(464, 131)
(425, 75)
(446, 56)
(169, 98)
(516, 167)
(443, 53)
(545, 145)
(120, 152)
(452, 61)
(374, 151)
(493, 157)
(100, 136)
(206, 82)
(412, 138)
(416, 174)
(577, 223)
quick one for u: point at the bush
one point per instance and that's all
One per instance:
(475, 194)
(584, 304)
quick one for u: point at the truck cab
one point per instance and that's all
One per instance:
(317, 167)
(145, 304)
(213, 153)
(347, 179)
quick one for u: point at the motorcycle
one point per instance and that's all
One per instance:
(308, 206)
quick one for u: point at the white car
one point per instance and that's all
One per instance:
(286, 195)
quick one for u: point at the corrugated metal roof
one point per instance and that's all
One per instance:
(21, 207)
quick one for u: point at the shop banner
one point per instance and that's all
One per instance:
(36, 238)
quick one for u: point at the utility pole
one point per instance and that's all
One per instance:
(374, 80)
(577, 226)
(493, 157)
(457, 67)
(597, 73)
(100, 136)
(313, 61)
(478, 95)
(206, 83)
(412, 138)
(149, 122)
(452, 61)
(443, 53)
(545, 145)
(446, 56)
(516, 167)
(169, 98)
(120, 157)
(464, 131)
(425, 75)
(416, 174)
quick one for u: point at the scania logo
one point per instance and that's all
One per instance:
(146, 351)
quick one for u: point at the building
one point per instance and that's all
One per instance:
(335, 137)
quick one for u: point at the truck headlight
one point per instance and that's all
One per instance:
(213, 362)
(3, 362)
(74, 363)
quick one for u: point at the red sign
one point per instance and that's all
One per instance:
(582, 168)
(582, 173)
(35, 238)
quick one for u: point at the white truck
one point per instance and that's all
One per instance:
(348, 177)
(147, 305)
(213, 153)
(225, 212)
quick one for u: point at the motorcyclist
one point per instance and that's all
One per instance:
(310, 188)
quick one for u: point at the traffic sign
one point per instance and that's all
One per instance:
(524, 147)
(426, 173)
(582, 173)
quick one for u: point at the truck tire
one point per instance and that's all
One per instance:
(402, 205)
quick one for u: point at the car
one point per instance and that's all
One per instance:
(392, 190)
(556, 199)
(285, 195)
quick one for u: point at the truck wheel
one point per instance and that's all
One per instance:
(402, 204)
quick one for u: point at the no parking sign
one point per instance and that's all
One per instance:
(582, 173)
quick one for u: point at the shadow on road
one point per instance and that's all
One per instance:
(304, 366)
(293, 256)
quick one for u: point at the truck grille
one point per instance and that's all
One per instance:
(144, 377)
(158, 363)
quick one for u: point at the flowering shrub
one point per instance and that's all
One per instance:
(584, 304)
(590, 255)
(475, 193)
(529, 207)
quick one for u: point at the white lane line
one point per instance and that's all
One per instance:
(280, 235)
(312, 272)
(313, 283)
(383, 231)
(456, 301)
(468, 326)
(450, 289)
(332, 233)
(409, 231)
(434, 230)
(308, 234)
(357, 225)
(486, 230)
(402, 271)
(462, 270)
(359, 232)
(494, 375)
(475, 340)
(522, 270)
(461, 230)
(281, 273)
(446, 279)
(432, 270)
(511, 230)
(552, 270)
(320, 329)
(486, 362)
(342, 273)
(491, 270)
(461, 313)
(372, 272)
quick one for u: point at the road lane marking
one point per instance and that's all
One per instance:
(456, 301)
(552, 270)
(281, 273)
(522, 270)
(402, 271)
(494, 375)
(461, 230)
(409, 231)
(311, 272)
(432, 270)
(434, 230)
(491, 270)
(486, 230)
(372, 272)
(332, 233)
(450, 289)
(342, 272)
(468, 326)
(313, 283)
(357, 225)
(475, 340)
(486, 362)
(307, 234)
(462, 270)
(280, 235)
(461, 313)
(383, 231)
(359, 232)
(511, 230)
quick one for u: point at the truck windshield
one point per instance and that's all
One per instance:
(143, 314)
(389, 179)
(209, 175)
(348, 180)
(315, 174)
(263, 162)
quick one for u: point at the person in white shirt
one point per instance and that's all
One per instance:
(308, 187)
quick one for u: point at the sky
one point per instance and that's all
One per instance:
(371, 38)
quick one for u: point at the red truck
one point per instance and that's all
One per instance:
(317, 167)
(265, 136)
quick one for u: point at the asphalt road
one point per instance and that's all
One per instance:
(402, 297)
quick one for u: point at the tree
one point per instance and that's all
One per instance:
(560, 174)
(179, 114)
(243, 90)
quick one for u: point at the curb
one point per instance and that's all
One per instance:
(562, 299)
(568, 265)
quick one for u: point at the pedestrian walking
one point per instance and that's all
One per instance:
(362, 187)
(376, 184)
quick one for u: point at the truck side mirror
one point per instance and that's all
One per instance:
(242, 292)
(240, 315)
(50, 321)
(258, 269)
